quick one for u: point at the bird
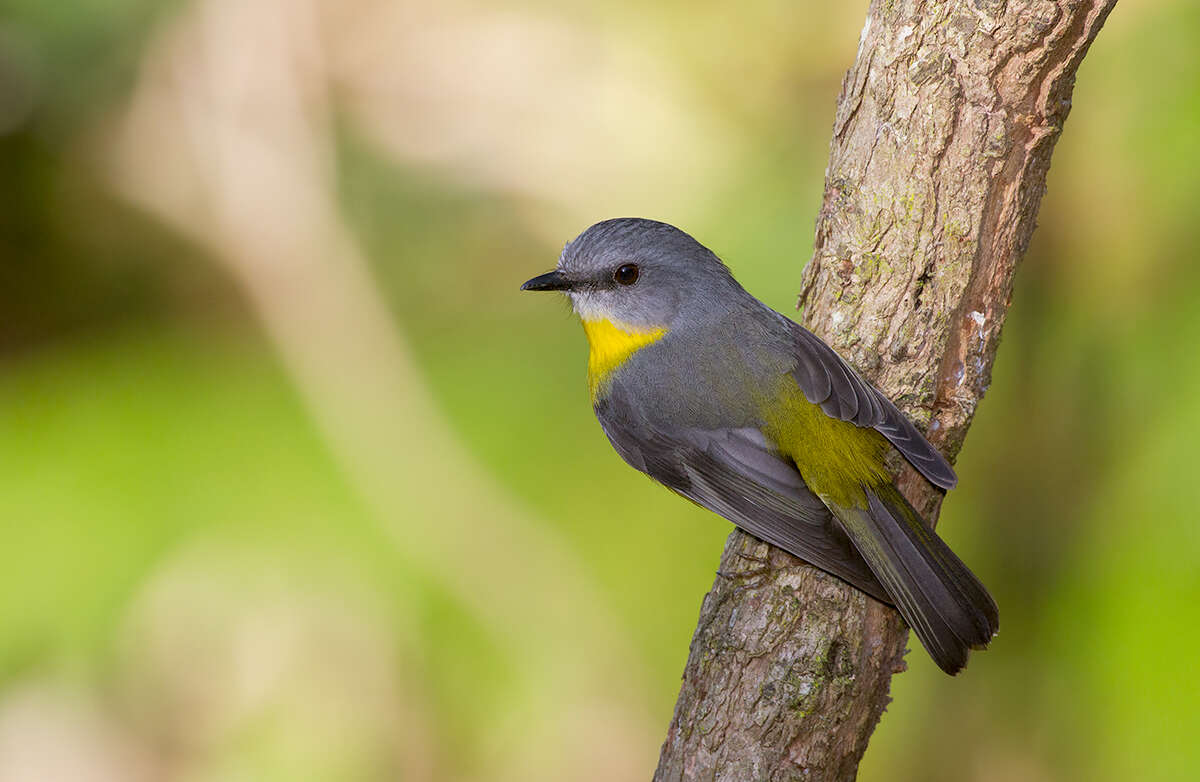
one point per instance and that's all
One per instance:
(732, 405)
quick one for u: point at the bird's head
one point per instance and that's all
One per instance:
(639, 274)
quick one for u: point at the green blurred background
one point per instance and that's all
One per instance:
(295, 484)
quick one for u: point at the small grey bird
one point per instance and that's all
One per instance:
(728, 403)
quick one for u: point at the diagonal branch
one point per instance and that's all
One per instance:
(941, 145)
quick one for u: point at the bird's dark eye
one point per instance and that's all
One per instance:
(626, 274)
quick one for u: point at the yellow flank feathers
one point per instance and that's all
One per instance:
(611, 346)
(836, 458)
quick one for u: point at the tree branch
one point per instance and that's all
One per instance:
(941, 144)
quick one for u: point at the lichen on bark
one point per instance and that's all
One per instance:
(941, 143)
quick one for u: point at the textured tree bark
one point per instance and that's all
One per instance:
(941, 144)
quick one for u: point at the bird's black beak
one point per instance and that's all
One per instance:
(550, 281)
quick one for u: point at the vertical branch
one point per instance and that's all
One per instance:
(941, 145)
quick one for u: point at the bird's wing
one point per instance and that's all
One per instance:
(737, 473)
(827, 380)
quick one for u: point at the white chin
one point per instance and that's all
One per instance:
(586, 307)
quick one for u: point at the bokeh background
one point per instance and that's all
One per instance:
(295, 485)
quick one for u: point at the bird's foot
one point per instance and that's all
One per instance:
(751, 578)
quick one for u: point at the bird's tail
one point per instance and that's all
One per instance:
(942, 601)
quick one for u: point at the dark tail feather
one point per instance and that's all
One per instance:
(942, 601)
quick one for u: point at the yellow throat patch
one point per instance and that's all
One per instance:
(611, 346)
